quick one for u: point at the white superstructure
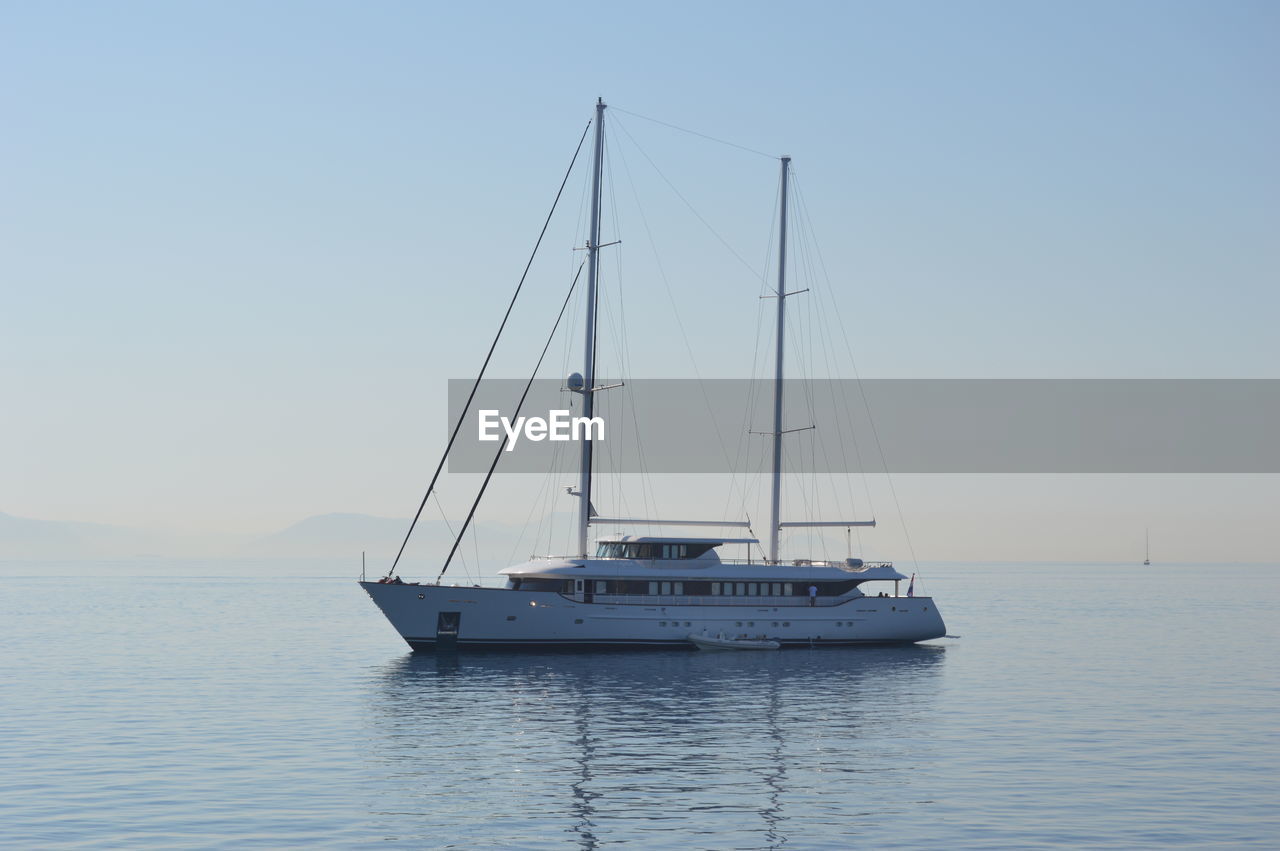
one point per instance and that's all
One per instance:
(656, 591)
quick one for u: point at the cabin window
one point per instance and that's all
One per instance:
(568, 586)
(540, 584)
(777, 589)
(653, 588)
(666, 588)
(679, 588)
(786, 588)
(619, 549)
(601, 586)
(715, 589)
(740, 588)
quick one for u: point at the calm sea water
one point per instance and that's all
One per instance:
(233, 705)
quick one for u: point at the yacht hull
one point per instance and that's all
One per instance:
(430, 617)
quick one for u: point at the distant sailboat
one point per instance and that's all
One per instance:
(1147, 561)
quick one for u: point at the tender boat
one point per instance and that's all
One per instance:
(719, 642)
(647, 591)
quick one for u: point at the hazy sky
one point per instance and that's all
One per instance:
(243, 245)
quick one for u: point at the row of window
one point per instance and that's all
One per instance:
(651, 550)
(714, 589)
(683, 588)
(737, 623)
(752, 589)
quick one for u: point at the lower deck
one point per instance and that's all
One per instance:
(431, 644)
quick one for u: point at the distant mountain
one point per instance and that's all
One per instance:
(324, 535)
(327, 535)
(25, 537)
(321, 536)
(348, 535)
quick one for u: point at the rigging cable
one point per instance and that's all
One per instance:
(462, 414)
(696, 133)
(687, 203)
(754, 461)
(502, 448)
(867, 407)
(445, 518)
(827, 336)
(675, 314)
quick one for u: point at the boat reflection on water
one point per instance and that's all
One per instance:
(691, 749)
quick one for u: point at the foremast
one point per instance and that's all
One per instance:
(775, 499)
(589, 354)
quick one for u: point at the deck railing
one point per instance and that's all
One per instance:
(682, 562)
(809, 563)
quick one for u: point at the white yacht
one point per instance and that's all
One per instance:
(658, 591)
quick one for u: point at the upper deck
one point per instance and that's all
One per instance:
(703, 569)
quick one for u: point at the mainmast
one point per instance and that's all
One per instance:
(775, 502)
(589, 357)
